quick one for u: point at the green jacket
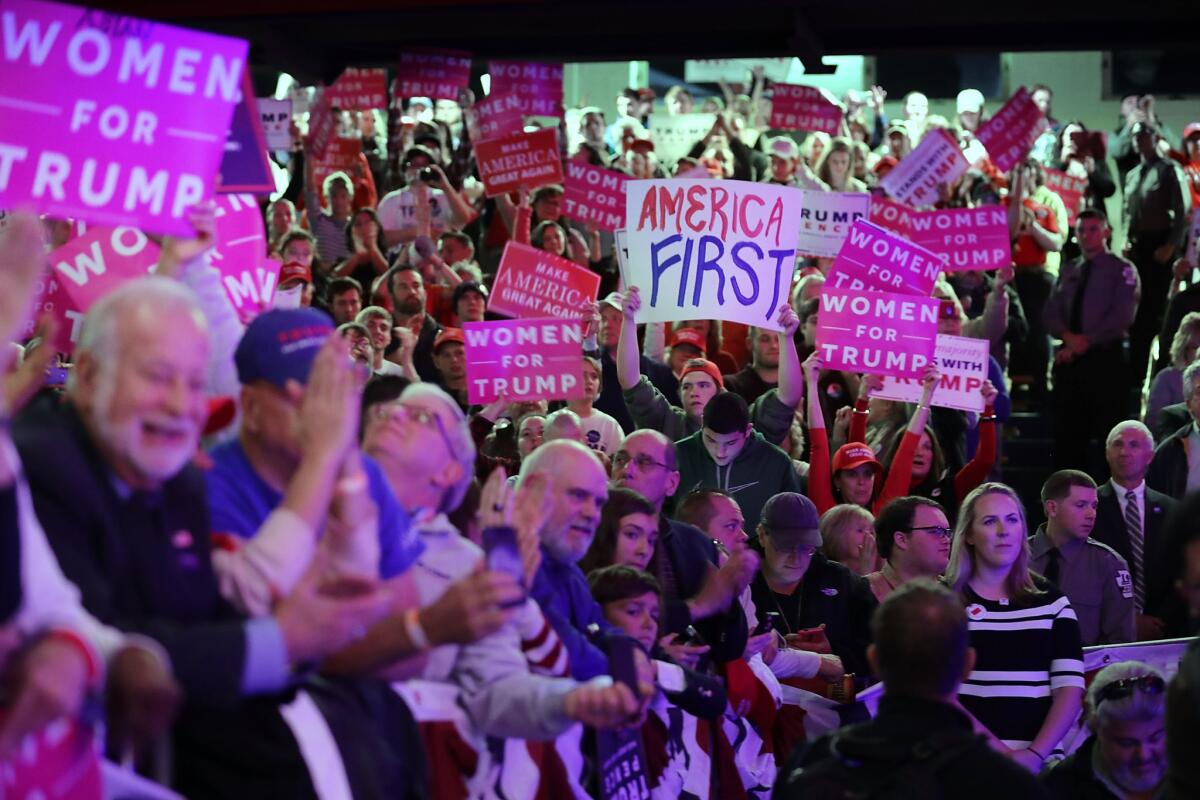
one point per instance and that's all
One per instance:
(757, 474)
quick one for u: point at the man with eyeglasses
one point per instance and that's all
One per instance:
(1093, 576)
(1125, 756)
(695, 590)
(912, 537)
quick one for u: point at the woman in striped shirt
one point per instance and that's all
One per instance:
(1027, 682)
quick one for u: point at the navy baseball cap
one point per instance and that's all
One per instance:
(281, 344)
(792, 520)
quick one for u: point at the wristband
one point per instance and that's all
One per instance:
(412, 627)
(1035, 752)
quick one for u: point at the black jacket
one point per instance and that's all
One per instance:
(1170, 419)
(1168, 470)
(1110, 530)
(830, 594)
(976, 773)
(1073, 777)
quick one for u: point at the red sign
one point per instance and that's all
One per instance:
(877, 332)
(594, 194)
(524, 359)
(877, 260)
(804, 108)
(341, 155)
(438, 76)
(526, 159)
(1010, 134)
(359, 89)
(1070, 189)
(539, 86)
(322, 127)
(495, 117)
(531, 283)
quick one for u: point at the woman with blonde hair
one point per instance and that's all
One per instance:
(1167, 387)
(848, 536)
(1027, 683)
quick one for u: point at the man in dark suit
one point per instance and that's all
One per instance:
(1170, 419)
(1175, 469)
(1130, 518)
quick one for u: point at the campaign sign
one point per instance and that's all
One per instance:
(674, 136)
(963, 362)
(438, 76)
(595, 195)
(1010, 134)
(734, 70)
(499, 115)
(876, 332)
(804, 108)
(57, 762)
(245, 167)
(825, 219)
(359, 89)
(322, 127)
(275, 116)
(877, 260)
(936, 160)
(1070, 189)
(85, 269)
(112, 119)
(524, 359)
(239, 254)
(965, 238)
(342, 155)
(525, 159)
(712, 249)
(539, 86)
(532, 283)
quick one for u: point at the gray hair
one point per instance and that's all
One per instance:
(563, 424)
(100, 337)
(458, 435)
(1191, 377)
(1137, 705)
(1121, 427)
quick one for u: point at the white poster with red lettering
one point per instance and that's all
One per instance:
(963, 362)
(825, 220)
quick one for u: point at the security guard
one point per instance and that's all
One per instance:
(1093, 576)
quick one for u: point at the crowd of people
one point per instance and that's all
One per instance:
(289, 558)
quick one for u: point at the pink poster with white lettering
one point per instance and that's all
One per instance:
(532, 283)
(539, 86)
(322, 127)
(1011, 132)
(936, 160)
(595, 195)
(240, 255)
(524, 359)
(85, 269)
(112, 119)
(879, 333)
(499, 115)
(1070, 189)
(965, 238)
(873, 259)
(438, 76)
(58, 762)
(804, 108)
(359, 89)
(889, 214)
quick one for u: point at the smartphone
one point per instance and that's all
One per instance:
(769, 622)
(503, 554)
(690, 637)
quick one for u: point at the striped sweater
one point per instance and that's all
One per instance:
(1025, 649)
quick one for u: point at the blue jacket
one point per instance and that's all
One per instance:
(561, 589)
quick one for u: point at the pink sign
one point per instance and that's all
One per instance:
(877, 260)
(240, 255)
(1070, 189)
(531, 283)
(1010, 134)
(58, 762)
(497, 116)
(975, 238)
(803, 108)
(322, 127)
(877, 332)
(526, 159)
(936, 160)
(359, 89)
(539, 86)
(116, 120)
(438, 76)
(524, 359)
(88, 267)
(595, 195)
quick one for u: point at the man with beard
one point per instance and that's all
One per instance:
(407, 288)
(762, 373)
(912, 537)
(1094, 578)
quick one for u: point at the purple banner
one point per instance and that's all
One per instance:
(245, 167)
(112, 119)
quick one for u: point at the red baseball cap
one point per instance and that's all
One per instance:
(294, 271)
(221, 411)
(855, 454)
(448, 335)
(1190, 130)
(689, 336)
(705, 366)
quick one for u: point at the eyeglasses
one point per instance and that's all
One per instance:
(1146, 684)
(643, 461)
(422, 416)
(934, 530)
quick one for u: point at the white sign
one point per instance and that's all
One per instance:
(735, 70)
(675, 136)
(936, 160)
(964, 366)
(825, 219)
(276, 117)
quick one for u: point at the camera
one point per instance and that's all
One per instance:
(428, 175)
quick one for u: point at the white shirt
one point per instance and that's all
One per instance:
(1139, 496)
(602, 432)
(398, 210)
